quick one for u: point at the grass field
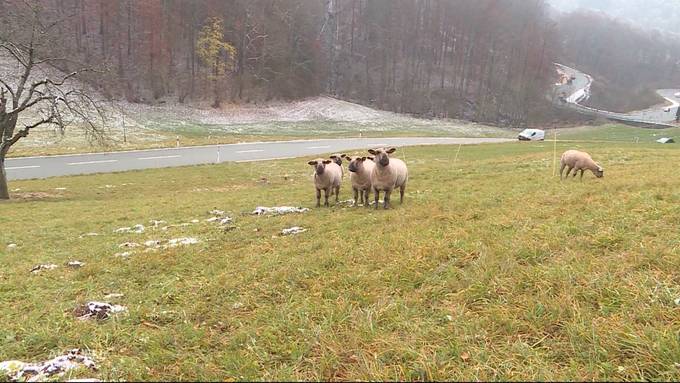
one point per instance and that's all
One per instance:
(492, 269)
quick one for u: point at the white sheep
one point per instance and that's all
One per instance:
(388, 174)
(577, 160)
(360, 169)
(337, 158)
(327, 177)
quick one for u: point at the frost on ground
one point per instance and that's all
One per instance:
(153, 125)
(278, 210)
(16, 370)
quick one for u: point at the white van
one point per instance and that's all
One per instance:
(531, 135)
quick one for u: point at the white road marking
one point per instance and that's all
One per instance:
(91, 162)
(157, 157)
(318, 147)
(251, 151)
(23, 167)
(266, 159)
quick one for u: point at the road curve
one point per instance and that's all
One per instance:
(579, 91)
(61, 165)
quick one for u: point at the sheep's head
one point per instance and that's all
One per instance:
(337, 158)
(319, 165)
(355, 162)
(381, 155)
(599, 172)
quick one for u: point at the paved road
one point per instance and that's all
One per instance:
(579, 91)
(50, 166)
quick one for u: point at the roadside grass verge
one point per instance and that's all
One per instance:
(492, 269)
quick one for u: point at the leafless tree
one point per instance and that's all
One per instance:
(39, 94)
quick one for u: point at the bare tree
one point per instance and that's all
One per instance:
(39, 95)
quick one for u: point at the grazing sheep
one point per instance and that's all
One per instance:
(577, 160)
(327, 177)
(360, 169)
(388, 173)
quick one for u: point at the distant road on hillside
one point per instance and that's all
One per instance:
(50, 166)
(579, 91)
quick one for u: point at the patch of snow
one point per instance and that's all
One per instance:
(156, 223)
(97, 310)
(152, 243)
(216, 212)
(128, 245)
(139, 228)
(35, 372)
(75, 264)
(182, 241)
(124, 254)
(293, 230)
(89, 235)
(278, 210)
(11, 246)
(48, 266)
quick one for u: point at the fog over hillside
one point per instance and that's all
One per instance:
(663, 15)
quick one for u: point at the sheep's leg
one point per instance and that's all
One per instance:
(401, 193)
(575, 172)
(581, 175)
(562, 170)
(356, 195)
(367, 193)
(568, 171)
(386, 197)
(377, 196)
(318, 197)
(325, 194)
(337, 194)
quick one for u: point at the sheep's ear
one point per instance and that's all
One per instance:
(363, 158)
(372, 151)
(327, 162)
(312, 162)
(390, 150)
(370, 158)
(343, 155)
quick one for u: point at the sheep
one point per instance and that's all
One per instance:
(327, 177)
(337, 158)
(388, 173)
(360, 169)
(577, 160)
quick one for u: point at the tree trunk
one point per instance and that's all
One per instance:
(4, 191)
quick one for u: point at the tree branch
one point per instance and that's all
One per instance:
(8, 88)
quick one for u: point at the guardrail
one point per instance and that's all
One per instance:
(582, 94)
